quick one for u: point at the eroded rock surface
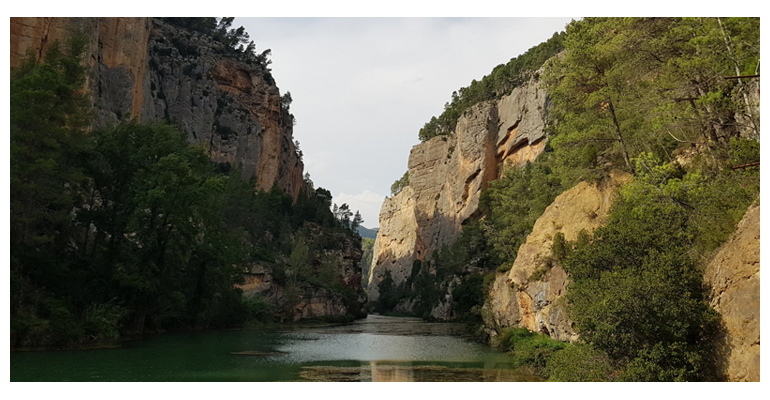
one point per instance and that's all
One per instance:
(733, 276)
(151, 71)
(148, 70)
(538, 304)
(446, 175)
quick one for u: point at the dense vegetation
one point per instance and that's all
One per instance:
(633, 94)
(129, 229)
(649, 97)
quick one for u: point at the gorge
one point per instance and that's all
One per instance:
(591, 207)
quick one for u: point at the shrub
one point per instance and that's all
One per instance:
(579, 362)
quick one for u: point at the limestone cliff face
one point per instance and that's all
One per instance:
(733, 276)
(538, 305)
(446, 175)
(146, 69)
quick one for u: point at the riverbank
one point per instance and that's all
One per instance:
(376, 348)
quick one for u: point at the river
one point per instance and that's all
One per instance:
(376, 348)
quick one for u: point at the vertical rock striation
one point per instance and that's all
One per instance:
(733, 277)
(149, 70)
(446, 175)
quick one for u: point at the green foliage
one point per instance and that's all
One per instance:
(560, 248)
(49, 116)
(529, 349)
(636, 289)
(399, 184)
(259, 309)
(538, 274)
(468, 296)
(131, 229)
(579, 362)
(103, 320)
(367, 246)
(501, 81)
(235, 40)
(514, 202)
(388, 294)
(633, 85)
(743, 151)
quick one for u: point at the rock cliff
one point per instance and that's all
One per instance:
(733, 276)
(446, 175)
(152, 71)
(535, 301)
(149, 70)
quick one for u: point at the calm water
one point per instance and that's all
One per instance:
(373, 349)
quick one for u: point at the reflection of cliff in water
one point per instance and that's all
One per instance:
(378, 372)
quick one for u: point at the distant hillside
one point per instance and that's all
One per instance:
(368, 233)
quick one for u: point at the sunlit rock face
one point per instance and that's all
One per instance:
(446, 175)
(148, 70)
(733, 277)
(538, 304)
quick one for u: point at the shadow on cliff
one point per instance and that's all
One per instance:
(417, 278)
(720, 351)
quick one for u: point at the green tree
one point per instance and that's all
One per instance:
(636, 290)
(399, 184)
(49, 117)
(514, 202)
(151, 197)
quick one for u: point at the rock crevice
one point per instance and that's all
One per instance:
(446, 175)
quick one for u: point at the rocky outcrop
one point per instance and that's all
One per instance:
(446, 175)
(312, 302)
(733, 277)
(531, 293)
(149, 70)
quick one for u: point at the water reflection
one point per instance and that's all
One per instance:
(375, 372)
(389, 349)
(378, 349)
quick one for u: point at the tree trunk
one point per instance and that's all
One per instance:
(620, 138)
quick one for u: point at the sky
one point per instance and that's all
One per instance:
(363, 87)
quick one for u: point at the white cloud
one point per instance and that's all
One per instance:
(367, 202)
(363, 87)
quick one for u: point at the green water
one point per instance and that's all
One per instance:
(373, 349)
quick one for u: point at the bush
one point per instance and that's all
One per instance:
(467, 295)
(258, 308)
(103, 320)
(579, 363)
(529, 349)
(636, 288)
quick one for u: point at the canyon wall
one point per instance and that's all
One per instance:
(522, 297)
(148, 70)
(446, 175)
(733, 277)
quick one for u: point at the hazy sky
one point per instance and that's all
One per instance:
(363, 87)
